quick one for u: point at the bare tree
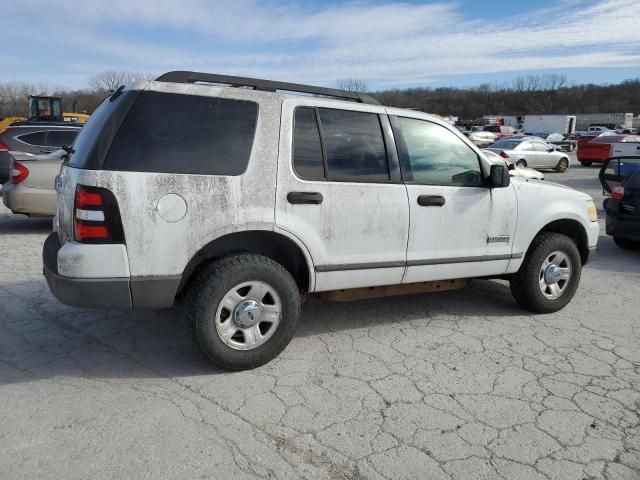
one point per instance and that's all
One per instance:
(110, 80)
(352, 85)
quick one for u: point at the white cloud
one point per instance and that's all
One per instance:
(390, 44)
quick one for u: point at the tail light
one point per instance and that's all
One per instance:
(96, 216)
(503, 154)
(617, 193)
(3, 146)
(18, 173)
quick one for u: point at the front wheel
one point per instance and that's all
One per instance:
(549, 275)
(562, 166)
(242, 310)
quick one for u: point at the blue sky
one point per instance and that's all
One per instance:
(385, 43)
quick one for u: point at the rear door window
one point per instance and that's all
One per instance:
(308, 162)
(354, 146)
(57, 138)
(174, 133)
(35, 138)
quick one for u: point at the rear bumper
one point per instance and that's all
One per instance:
(82, 292)
(120, 292)
(623, 227)
(30, 201)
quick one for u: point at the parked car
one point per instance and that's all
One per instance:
(622, 130)
(31, 187)
(531, 152)
(500, 130)
(514, 170)
(620, 177)
(595, 130)
(33, 138)
(482, 139)
(600, 148)
(564, 142)
(242, 200)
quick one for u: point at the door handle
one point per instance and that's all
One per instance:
(311, 198)
(431, 200)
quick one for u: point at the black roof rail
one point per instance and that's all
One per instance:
(264, 85)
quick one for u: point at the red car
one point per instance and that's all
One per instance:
(599, 149)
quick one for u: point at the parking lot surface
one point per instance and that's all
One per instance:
(462, 385)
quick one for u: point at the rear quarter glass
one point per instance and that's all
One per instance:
(93, 142)
(190, 134)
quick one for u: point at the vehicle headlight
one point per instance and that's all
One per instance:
(592, 211)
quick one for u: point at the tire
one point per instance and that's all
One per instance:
(562, 166)
(527, 284)
(521, 163)
(626, 244)
(585, 163)
(236, 277)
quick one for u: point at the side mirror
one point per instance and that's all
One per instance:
(499, 176)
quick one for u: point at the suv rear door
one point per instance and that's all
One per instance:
(339, 191)
(459, 227)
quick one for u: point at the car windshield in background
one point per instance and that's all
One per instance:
(506, 144)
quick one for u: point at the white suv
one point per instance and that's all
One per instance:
(241, 197)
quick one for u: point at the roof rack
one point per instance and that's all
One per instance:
(264, 85)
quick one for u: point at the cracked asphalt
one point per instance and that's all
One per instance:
(460, 385)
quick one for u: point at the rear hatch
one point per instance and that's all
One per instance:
(89, 151)
(620, 177)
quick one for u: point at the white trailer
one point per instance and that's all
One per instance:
(609, 120)
(565, 124)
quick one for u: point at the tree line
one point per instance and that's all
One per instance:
(14, 96)
(524, 95)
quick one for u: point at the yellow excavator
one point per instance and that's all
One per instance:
(45, 108)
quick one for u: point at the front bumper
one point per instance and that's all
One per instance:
(82, 292)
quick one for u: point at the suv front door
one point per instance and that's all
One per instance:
(458, 227)
(339, 191)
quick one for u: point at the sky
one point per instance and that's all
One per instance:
(61, 43)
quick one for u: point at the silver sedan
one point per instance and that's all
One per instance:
(531, 152)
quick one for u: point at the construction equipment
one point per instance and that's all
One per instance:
(45, 108)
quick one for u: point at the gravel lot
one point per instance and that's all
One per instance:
(460, 385)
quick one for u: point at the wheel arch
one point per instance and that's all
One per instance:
(275, 245)
(572, 229)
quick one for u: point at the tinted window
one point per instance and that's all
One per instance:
(36, 138)
(93, 141)
(437, 156)
(506, 144)
(354, 146)
(492, 128)
(60, 138)
(173, 133)
(307, 150)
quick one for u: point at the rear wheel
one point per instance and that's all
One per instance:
(521, 163)
(242, 310)
(549, 275)
(585, 163)
(626, 244)
(562, 166)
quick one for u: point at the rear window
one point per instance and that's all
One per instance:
(173, 133)
(492, 128)
(609, 139)
(506, 144)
